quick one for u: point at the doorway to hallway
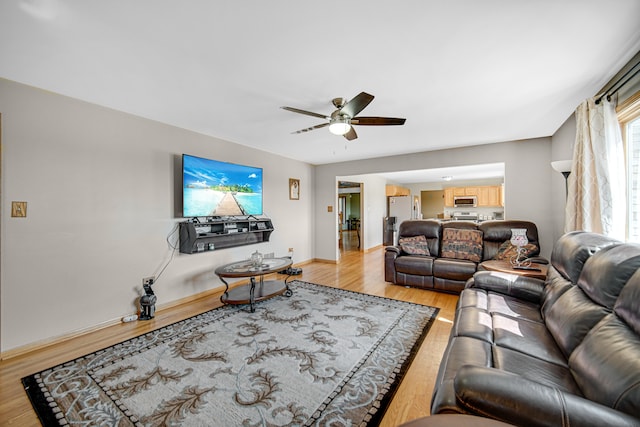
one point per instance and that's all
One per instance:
(350, 221)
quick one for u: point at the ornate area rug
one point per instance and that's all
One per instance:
(323, 356)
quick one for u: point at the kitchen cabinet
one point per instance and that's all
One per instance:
(495, 196)
(483, 196)
(396, 190)
(448, 197)
(471, 191)
(488, 195)
(464, 191)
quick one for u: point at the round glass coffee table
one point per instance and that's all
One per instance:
(255, 290)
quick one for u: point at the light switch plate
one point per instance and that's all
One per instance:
(329, 208)
(19, 209)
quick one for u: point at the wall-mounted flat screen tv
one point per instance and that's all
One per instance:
(215, 188)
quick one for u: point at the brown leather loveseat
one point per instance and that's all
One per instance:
(447, 267)
(560, 352)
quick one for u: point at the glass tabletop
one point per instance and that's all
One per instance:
(247, 268)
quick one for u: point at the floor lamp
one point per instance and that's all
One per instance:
(564, 167)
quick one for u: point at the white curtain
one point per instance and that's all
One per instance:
(596, 199)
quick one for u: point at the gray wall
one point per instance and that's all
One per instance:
(431, 203)
(561, 149)
(102, 189)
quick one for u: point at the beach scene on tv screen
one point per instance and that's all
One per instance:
(214, 188)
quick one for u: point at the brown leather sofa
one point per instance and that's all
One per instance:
(560, 352)
(447, 274)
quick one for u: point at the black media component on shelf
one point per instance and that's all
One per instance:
(212, 234)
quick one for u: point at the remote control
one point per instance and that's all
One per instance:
(527, 268)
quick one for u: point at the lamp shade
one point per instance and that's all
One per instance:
(561, 166)
(519, 236)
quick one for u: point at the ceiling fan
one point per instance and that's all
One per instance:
(341, 121)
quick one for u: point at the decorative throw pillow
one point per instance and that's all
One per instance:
(507, 250)
(416, 245)
(462, 244)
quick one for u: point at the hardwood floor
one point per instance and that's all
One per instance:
(357, 271)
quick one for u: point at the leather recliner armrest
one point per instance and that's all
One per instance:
(514, 399)
(395, 249)
(526, 288)
(390, 255)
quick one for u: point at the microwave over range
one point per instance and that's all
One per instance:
(465, 201)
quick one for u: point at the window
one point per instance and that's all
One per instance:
(629, 116)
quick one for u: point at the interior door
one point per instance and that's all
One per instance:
(342, 205)
(342, 209)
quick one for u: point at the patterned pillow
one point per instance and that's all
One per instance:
(506, 251)
(416, 245)
(462, 244)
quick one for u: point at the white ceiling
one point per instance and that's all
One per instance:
(462, 72)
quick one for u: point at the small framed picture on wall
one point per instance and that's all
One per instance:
(294, 189)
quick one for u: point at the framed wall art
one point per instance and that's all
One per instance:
(294, 189)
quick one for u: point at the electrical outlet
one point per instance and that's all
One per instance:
(290, 249)
(148, 280)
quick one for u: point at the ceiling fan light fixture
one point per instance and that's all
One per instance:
(339, 126)
(346, 115)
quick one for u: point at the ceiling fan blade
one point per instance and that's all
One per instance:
(308, 113)
(357, 104)
(377, 121)
(311, 128)
(351, 135)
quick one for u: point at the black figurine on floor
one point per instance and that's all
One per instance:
(147, 303)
